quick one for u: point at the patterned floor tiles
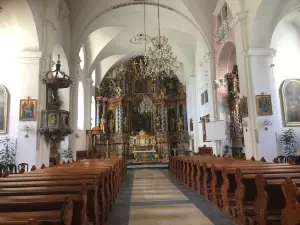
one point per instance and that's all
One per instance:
(153, 197)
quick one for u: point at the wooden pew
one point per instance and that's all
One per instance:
(230, 184)
(44, 177)
(62, 216)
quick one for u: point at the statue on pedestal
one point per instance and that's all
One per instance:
(111, 124)
(180, 124)
(126, 125)
(102, 124)
(173, 124)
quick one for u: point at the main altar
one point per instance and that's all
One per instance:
(139, 119)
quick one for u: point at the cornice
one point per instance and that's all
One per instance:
(268, 52)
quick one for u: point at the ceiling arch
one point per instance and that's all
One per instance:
(17, 14)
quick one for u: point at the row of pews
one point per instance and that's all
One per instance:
(251, 192)
(79, 193)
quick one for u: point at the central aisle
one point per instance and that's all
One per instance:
(152, 197)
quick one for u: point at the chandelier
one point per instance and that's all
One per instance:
(146, 106)
(162, 61)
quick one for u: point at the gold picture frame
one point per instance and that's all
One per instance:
(290, 92)
(4, 97)
(28, 108)
(264, 105)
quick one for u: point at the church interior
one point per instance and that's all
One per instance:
(149, 112)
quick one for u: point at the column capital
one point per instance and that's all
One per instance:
(76, 59)
(30, 56)
(297, 5)
(267, 52)
(239, 17)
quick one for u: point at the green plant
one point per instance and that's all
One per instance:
(67, 155)
(288, 141)
(226, 150)
(7, 152)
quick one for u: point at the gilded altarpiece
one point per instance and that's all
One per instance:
(118, 110)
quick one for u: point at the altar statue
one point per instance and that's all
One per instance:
(102, 124)
(111, 124)
(125, 124)
(173, 124)
(180, 124)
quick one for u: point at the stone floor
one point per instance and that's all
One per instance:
(153, 197)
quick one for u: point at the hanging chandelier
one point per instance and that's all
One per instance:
(146, 106)
(162, 62)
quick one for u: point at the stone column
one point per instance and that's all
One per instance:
(262, 74)
(120, 118)
(88, 101)
(246, 84)
(192, 104)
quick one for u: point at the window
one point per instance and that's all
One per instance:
(204, 97)
(93, 112)
(223, 15)
(93, 77)
(81, 55)
(80, 107)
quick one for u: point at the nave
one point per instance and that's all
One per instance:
(153, 197)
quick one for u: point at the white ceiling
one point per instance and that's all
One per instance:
(106, 26)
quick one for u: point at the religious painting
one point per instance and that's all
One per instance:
(264, 105)
(3, 109)
(244, 107)
(290, 94)
(28, 109)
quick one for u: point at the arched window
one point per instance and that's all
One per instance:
(81, 55)
(80, 107)
(93, 77)
(93, 112)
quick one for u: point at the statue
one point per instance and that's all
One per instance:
(181, 91)
(161, 94)
(125, 124)
(157, 123)
(102, 124)
(180, 124)
(111, 124)
(173, 124)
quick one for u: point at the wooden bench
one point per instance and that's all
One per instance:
(55, 181)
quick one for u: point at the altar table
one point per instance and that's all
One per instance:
(144, 155)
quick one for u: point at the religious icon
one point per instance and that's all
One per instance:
(264, 105)
(180, 124)
(3, 109)
(290, 94)
(28, 109)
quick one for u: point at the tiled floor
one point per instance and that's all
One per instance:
(153, 197)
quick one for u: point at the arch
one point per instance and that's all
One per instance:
(90, 24)
(80, 107)
(226, 59)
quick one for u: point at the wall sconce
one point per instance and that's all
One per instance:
(221, 82)
(267, 123)
(77, 135)
(25, 128)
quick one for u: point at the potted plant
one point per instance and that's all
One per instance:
(67, 155)
(288, 141)
(226, 150)
(7, 152)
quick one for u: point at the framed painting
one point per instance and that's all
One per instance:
(244, 107)
(290, 94)
(264, 105)
(28, 109)
(3, 109)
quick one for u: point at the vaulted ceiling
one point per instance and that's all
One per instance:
(105, 28)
